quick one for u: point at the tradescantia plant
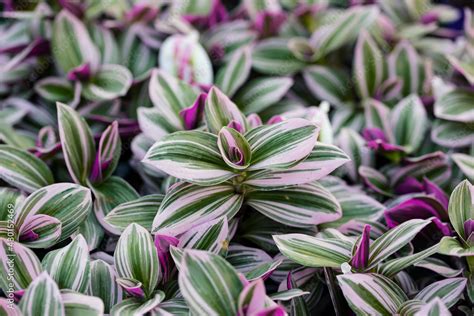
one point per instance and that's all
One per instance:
(249, 158)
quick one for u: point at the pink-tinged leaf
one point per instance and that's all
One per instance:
(220, 111)
(211, 236)
(234, 148)
(131, 287)
(193, 114)
(192, 156)
(108, 154)
(276, 310)
(236, 125)
(186, 206)
(163, 244)
(254, 120)
(404, 63)
(282, 145)
(360, 259)
(322, 160)
(25, 269)
(252, 298)
(40, 231)
(275, 119)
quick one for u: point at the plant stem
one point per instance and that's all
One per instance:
(334, 292)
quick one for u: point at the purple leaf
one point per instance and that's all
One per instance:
(193, 114)
(268, 23)
(80, 73)
(163, 244)
(361, 256)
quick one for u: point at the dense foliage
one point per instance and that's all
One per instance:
(251, 158)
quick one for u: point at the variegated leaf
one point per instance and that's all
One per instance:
(343, 29)
(409, 123)
(67, 202)
(452, 134)
(235, 72)
(322, 160)
(404, 63)
(92, 231)
(187, 205)
(77, 143)
(273, 57)
(192, 156)
(169, 96)
(80, 304)
(392, 267)
(282, 145)
(394, 240)
(71, 44)
(354, 146)
(23, 170)
(368, 66)
(109, 194)
(40, 231)
(42, 297)
(102, 284)
(8, 307)
(435, 307)
(141, 211)
(258, 94)
(465, 163)
(300, 206)
(210, 236)
(455, 106)
(452, 247)
(110, 82)
(461, 207)
(183, 57)
(314, 252)
(135, 306)
(448, 290)
(371, 294)
(220, 111)
(327, 83)
(209, 284)
(438, 266)
(19, 265)
(245, 259)
(70, 266)
(136, 258)
(153, 124)
(108, 154)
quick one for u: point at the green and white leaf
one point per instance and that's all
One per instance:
(395, 239)
(448, 290)
(23, 170)
(371, 294)
(136, 258)
(77, 143)
(314, 252)
(209, 284)
(69, 267)
(192, 156)
(186, 206)
(42, 297)
(299, 206)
